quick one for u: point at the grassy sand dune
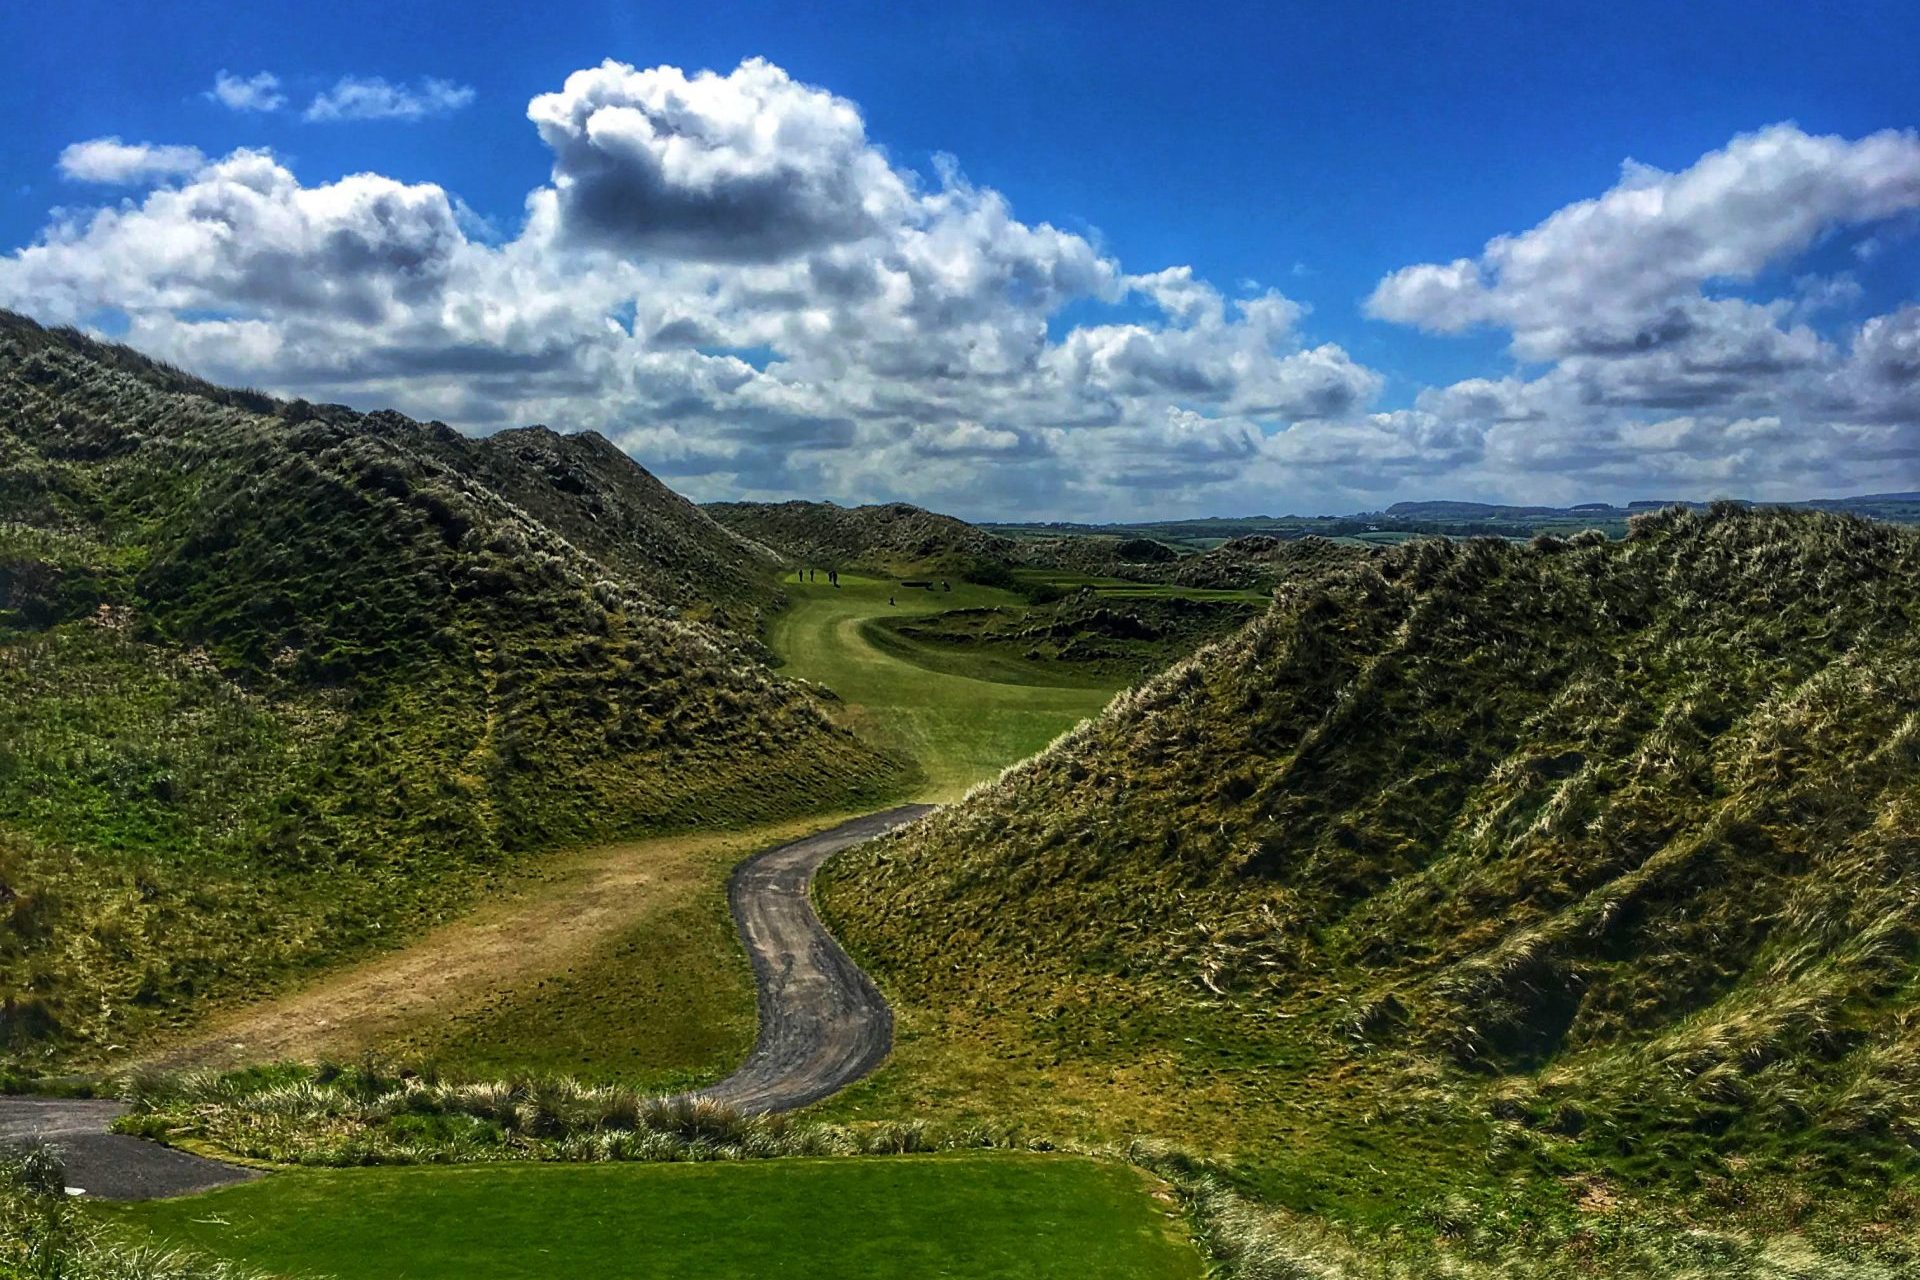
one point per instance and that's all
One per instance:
(1465, 892)
(280, 683)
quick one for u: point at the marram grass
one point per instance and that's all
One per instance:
(46, 1235)
(372, 1113)
(1575, 883)
(278, 682)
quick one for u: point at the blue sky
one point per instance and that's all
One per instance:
(1312, 150)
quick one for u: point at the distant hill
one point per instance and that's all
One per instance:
(1451, 519)
(1903, 508)
(276, 679)
(1475, 884)
(588, 490)
(896, 537)
(1480, 511)
(877, 538)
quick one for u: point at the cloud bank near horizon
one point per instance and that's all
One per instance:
(728, 276)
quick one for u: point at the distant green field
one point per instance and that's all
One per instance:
(994, 1216)
(959, 728)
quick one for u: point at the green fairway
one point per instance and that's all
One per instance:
(987, 1215)
(960, 729)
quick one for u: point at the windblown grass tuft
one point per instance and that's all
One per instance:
(375, 1115)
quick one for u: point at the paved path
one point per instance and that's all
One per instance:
(111, 1166)
(823, 1024)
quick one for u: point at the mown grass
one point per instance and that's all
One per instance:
(980, 1215)
(47, 1235)
(956, 729)
(1091, 636)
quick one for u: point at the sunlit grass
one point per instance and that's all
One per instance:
(975, 1216)
(959, 730)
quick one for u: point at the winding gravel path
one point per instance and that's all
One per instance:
(111, 1166)
(823, 1024)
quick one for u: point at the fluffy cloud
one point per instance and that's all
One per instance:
(260, 92)
(727, 275)
(745, 167)
(1656, 371)
(372, 98)
(1246, 363)
(966, 437)
(1880, 381)
(1623, 271)
(110, 161)
(244, 236)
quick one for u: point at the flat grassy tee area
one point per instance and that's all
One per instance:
(987, 1215)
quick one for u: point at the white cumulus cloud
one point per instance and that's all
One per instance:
(258, 92)
(1658, 366)
(109, 161)
(244, 236)
(749, 166)
(1624, 271)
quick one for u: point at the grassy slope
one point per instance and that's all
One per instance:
(958, 729)
(277, 682)
(1018, 1218)
(1461, 885)
(586, 489)
(616, 962)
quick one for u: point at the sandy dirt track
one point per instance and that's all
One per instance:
(589, 898)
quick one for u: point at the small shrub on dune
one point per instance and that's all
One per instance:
(548, 1110)
(693, 1119)
(613, 1108)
